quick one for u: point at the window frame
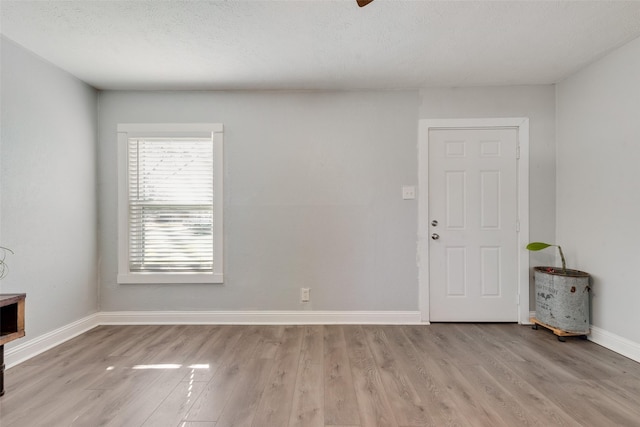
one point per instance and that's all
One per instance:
(167, 130)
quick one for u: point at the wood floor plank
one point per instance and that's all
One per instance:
(494, 361)
(194, 339)
(373, 406)
(571, 356)
(173, 409)
(270, 340)
(512, 410)
(307, 406)
(67, 415)
(242, 405)
(432, 341)
(340, 403)
(560, 393)
(542, 373)
(41, 397)
(533, 356)
(441, 410)
(604, 410)
(211, 402)
(624, 389)
(275, 405)
(482, 335)
(132, 400)
(623, 366)
(171, 349)
(445, 373)
(471, 398)
(69, 352)
(141, 406)
(142, 338)
(25, 383)
(402, 396)
(215, 352)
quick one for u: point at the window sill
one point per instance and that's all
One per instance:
(169, 278)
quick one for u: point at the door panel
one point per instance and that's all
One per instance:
(473, 247)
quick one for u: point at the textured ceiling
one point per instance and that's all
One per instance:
(313, 44)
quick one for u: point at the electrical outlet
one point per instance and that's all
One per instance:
(304, 294)
(408, 192)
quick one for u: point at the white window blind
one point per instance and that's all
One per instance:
(171, 205)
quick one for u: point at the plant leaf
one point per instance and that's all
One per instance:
(537, 246)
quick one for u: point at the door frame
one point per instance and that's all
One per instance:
(521, 124)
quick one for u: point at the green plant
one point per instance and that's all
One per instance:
(538, 246)
(3, 266)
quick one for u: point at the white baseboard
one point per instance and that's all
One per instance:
(259, 317)
(615, 343)
(35, 346)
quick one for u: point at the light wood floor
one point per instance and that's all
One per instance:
(437, 375)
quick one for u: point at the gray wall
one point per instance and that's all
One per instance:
(535, 102)
(48, 189)
(598, 184)
(312, 190)
(312, 199)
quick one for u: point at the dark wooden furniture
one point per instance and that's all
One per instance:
(11, 325)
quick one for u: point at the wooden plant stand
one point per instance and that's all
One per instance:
(562, 335)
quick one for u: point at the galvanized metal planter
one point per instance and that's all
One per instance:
(562, 300)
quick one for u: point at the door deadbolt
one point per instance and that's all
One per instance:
(434, 223)
(435, 236)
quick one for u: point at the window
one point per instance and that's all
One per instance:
(170, 203)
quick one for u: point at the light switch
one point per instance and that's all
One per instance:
(408, 192)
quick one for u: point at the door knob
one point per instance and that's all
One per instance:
(435, 236)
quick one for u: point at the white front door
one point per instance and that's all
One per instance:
(472, 219)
